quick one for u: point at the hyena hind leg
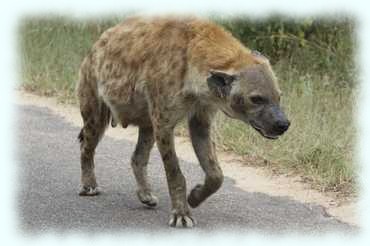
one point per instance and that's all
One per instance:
(96, 117)
(139, 163)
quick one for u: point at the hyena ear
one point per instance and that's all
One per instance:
(220, 83)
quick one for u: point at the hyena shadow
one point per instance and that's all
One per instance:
(49, 179)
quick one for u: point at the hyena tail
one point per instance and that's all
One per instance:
(81, 136)
(95, 113)
(103, 120)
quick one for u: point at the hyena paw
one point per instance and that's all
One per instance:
(181, 220)
(195, 197)
(89, 191)
(147, 198)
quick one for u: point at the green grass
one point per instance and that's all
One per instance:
(319, 144)
(52, 50)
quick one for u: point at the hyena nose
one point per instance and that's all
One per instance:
(282, 125)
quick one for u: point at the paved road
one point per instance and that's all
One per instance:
(49, 179)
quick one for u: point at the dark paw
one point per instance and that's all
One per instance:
(195, 198)
(147, 198)
(180, 220)
(89, 191)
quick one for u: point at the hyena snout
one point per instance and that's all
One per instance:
(271, 122)
(281, 126)
(280, 123)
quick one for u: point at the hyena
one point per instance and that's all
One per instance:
(154, 72)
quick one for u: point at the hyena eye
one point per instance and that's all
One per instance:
(258, 100)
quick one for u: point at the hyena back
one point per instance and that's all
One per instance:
(152, 73)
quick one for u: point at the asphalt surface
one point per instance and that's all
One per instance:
(49, 174)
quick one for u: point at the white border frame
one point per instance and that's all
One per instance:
(10, 17)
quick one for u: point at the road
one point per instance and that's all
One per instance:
(49, 172)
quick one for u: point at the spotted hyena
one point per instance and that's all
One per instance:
(152, 73)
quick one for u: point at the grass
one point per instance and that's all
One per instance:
(52, 50)
(319, 144)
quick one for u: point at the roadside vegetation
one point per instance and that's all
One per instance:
(312, 57)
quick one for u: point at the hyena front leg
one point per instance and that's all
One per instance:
(180, 216)
(139, 163)
(200, 133)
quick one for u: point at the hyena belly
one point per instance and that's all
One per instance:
(126, 110)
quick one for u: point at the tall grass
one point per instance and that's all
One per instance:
(313, 62)
(52, 50)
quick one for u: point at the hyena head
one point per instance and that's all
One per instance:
(251, 95)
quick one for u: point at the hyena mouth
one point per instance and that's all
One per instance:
(258, 129)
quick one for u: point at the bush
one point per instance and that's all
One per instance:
(322, 46)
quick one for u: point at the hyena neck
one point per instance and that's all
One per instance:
(212, 47)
